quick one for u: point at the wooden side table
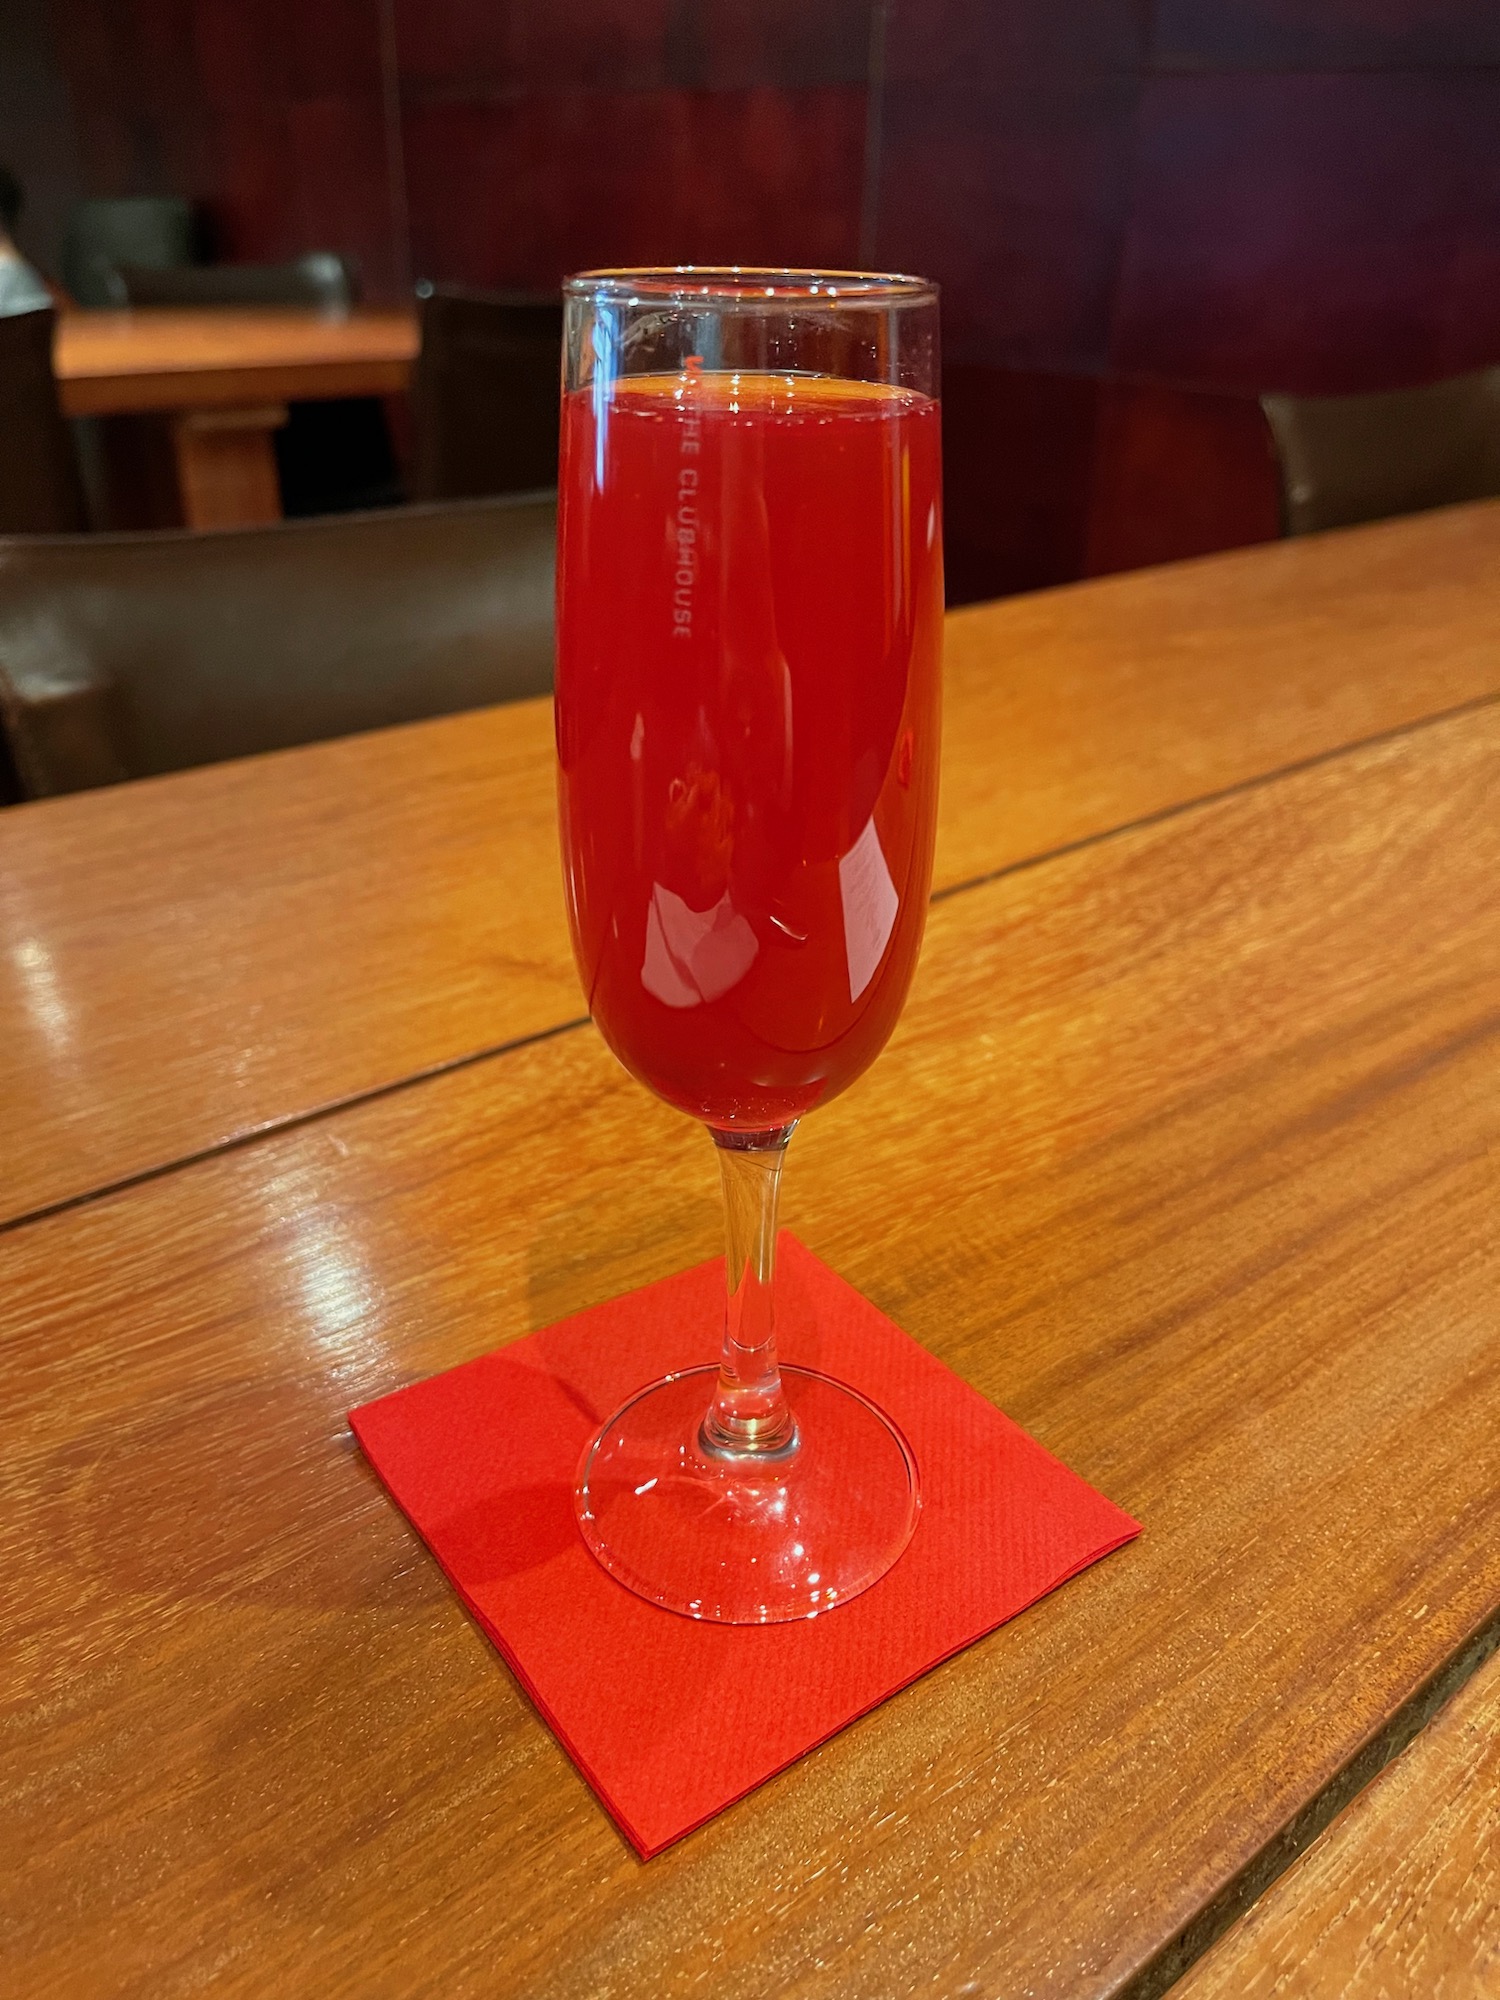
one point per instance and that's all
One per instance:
(218, 380)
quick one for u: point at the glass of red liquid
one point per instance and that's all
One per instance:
(750, 598)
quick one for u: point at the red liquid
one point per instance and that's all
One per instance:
(749, 629)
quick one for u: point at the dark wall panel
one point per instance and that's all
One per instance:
(539, 140)
(521, 193)
(797, 44)
(1018, 455)
(981, 45)
(535, 137)
(1016, 202)
(1144, 212)
(1326, 34)
(1177, 473)
(1049, 477)
(460, 48)
(142, 121)
(1335, 232)
(38, 135)
(475, 49)
(271, 115)
(299, 128)
(340, 195)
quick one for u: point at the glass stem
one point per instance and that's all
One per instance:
(749, 1417)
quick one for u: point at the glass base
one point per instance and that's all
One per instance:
(742, 1541)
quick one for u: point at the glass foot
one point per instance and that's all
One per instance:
(738, 1540)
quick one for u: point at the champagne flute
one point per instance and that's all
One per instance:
(748, 677)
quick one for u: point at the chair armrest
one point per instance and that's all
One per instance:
(64, 730)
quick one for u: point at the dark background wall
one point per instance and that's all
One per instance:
(1223, 194)
(276, 114)
(37, 136)
(613, 131)
(1302, 194)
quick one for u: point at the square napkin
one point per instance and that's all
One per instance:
(669, 1719)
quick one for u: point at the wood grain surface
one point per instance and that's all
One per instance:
(1077, 709)
(195, 957)
(190, 957)
(1401, 1896)
(184, 358)
(226, 466)
(1183, 1153)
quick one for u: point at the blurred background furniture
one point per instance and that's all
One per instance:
(149, 232)
(1346, 459)
(334, 454)
(22, 287)
(321, 278)
(40, 488)
(485, 393)
(124, 655)
(1237, 199)
(1053, 476)
(223, 378)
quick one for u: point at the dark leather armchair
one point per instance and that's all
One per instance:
(124, 655)
(159, 230)
(486, 392)
(1346, 459)
(321, 278)
(40, 489)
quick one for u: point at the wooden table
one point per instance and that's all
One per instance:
(1183, 1152)
(222, 377)
(1401, 1895)
(203, 957)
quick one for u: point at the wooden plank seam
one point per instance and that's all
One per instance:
(271, 1127)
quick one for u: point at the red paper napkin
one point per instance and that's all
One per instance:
(671, 1720)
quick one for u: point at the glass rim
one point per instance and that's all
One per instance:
(749, 285)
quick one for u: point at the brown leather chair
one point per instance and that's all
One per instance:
(321, 278)
(123, 655)
(1346, 459)
(159, 230)
(486, 392)
(40, 489)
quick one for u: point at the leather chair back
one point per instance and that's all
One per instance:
(124, 655)
(1346, 459)
(41, 491)
(486, 393)
(319, 279)
(159, 230)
